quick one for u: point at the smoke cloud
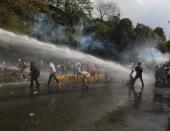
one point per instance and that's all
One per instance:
(153, 55)
(45, 29)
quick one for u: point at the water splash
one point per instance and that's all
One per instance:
(35, 49)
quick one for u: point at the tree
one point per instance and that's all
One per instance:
(112, 10)
(72, 10)
(98, 29)
(126, 24)
(160, 33)
(123, 33)
(107, 10)
(168, 46)
(142, 31)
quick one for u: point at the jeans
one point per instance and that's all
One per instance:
(35, 78)
(140, 77)
(53, 75)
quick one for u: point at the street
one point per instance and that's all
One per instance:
(102, 107)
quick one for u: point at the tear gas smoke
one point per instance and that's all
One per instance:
(45, 29)
(149, 54)
(145, 52)
(153, 55)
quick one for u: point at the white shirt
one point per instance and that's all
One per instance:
(79, 67)
(52, 67)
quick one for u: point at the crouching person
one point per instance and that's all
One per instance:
(85, 78)
(35, 73)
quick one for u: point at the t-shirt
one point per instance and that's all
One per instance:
(79, 67)
(34, 70)
(93, 67)
(52, 68)
(138, 70)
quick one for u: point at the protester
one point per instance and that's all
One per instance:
(35, 73)
(23, 67)
(161, 75)
(41, 64)
(4, 66)
(168, 75)
(77, 67)
(63, 69)
(157, 74)
(139, 71)
(93, 70)
(85, 77)
(52, 74)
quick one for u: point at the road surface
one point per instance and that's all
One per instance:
(103, 107)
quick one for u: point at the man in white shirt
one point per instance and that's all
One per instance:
(52, 74)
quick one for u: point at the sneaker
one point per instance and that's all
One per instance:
(35, 92)
(38, 88)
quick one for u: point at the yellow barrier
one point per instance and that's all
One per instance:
(74, 77)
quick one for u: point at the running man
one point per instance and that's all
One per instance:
(52, 74)
(139, 71)
(23, 67)
(35, 73)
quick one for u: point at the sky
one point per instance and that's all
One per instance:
(153, 13)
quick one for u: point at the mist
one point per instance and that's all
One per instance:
(153, 55)
(35, 49)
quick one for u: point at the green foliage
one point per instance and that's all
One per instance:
(143, 32)
(165, 47)
(160, 33)
(72, 10)
(17, 15)
(98, 29)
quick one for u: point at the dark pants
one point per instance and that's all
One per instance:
(157, 78)
(35, 78)
(140, 77)
(22, 74)
(53, 75)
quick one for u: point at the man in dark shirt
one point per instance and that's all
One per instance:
(139, 72)
(35, 73)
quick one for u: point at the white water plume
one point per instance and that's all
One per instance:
(26, 44)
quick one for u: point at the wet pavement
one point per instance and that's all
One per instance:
(103, 107)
